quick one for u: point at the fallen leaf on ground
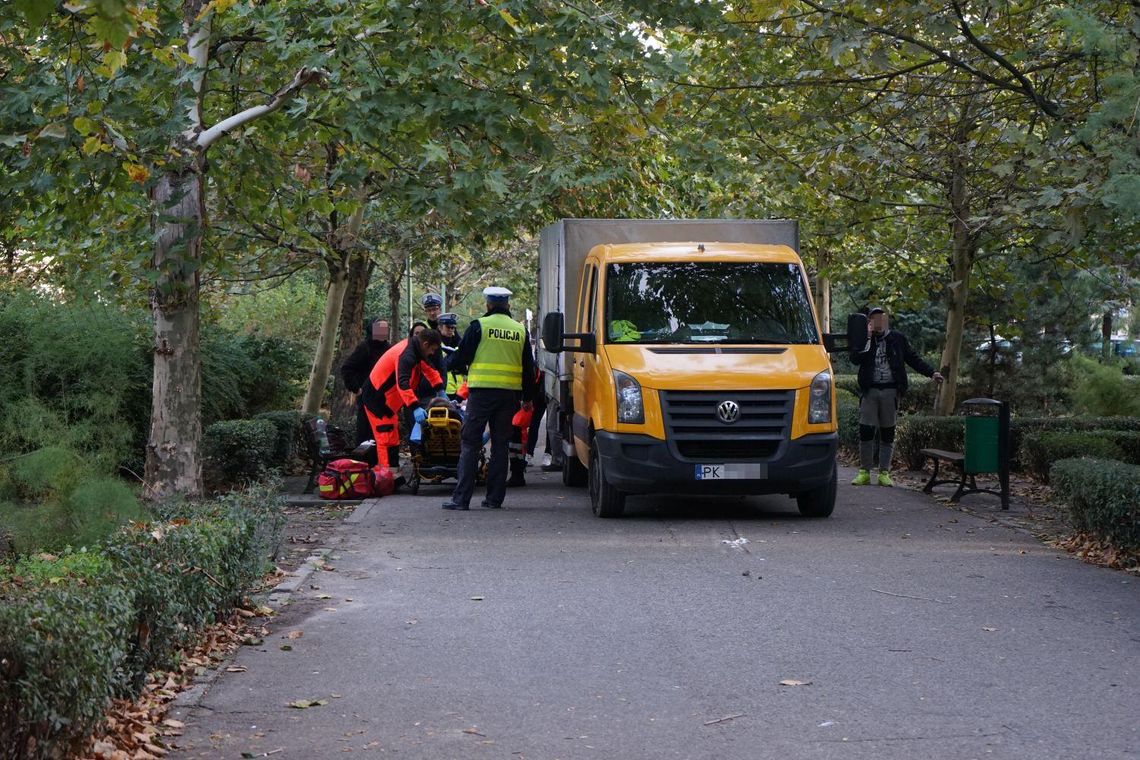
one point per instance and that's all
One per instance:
(473, 732)
(987, 628)
(304, 704)
(294, 634)
(476, 598)
(236, 669)
(324, 596)
(794, 682)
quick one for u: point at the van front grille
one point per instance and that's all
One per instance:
(693, 428)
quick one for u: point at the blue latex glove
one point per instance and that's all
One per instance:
(420, 414)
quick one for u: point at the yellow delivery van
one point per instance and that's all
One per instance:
(685, 356)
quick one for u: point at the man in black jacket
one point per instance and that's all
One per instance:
(358, 365)
(882, 382)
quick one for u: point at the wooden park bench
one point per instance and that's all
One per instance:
(986, 450)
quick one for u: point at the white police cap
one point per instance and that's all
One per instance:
(495, 293)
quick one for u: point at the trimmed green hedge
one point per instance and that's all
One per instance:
(81, 628)
(288, 425)
(920, 431)
(919, 397)
(1103, 498)
(847, 415)
(239, 451)
(1039, 451)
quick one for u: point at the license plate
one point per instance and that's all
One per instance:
(738, 471)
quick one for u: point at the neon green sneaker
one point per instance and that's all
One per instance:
(885, 479)
(862, 479)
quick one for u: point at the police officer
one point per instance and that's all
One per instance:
(449, 331)
(433, 305)
(495, 353)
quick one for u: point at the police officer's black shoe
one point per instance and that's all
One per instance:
(516, 480)
(488, 505)
(455, 505)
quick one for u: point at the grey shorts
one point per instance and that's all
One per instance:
(879, 407)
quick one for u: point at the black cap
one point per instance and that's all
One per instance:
(875, 310)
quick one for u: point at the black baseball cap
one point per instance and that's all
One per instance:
(875, 310)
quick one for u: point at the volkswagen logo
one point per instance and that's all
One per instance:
(728, 412)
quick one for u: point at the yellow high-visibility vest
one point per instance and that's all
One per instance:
(498, 357)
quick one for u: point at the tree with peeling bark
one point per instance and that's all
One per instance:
(133, 93)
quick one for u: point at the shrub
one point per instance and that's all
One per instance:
(288, 425)
(1103, 390)
(56, 390)
(48, 473)
(239, 451)
(247, 374)
(1040, 450)
(847, 415)
(56, 502)
(62, 647)
(919, 431)
(1103, 498)
(77, 629)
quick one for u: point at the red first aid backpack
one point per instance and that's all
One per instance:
(350, 479)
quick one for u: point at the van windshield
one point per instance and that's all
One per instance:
(707, 302)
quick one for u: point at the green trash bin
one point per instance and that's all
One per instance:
(987, 442)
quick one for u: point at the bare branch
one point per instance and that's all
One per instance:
(303, 78)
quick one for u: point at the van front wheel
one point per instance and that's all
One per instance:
(605, 500)
(819, 502)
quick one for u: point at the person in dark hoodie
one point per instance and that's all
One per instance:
(358, 365)
(882, 382)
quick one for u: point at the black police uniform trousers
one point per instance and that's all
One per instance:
(497, 407)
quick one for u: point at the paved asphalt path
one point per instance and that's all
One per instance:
(539, 631)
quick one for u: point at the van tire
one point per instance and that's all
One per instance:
(819, 502)
(574, 474)
(605, 500)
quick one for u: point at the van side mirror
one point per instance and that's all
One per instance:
(553, 325)
(854, 338)
(554, 339)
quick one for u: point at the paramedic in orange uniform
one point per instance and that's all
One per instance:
(391, 386)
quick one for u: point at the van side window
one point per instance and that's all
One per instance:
(590, 315)
(583, 297)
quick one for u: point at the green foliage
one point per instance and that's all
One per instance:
(243, 375)
(50, 473)
(292, 311)
(78, 629)
(288, 425)
(62, 502)
(1103, 390)
(1103, 497)
(62, 649)
(919, 431)
(847, 415)
(240, 451)
(73, 376)
(1039, 451)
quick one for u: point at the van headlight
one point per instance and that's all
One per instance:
(819, 404)
(630, 410)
